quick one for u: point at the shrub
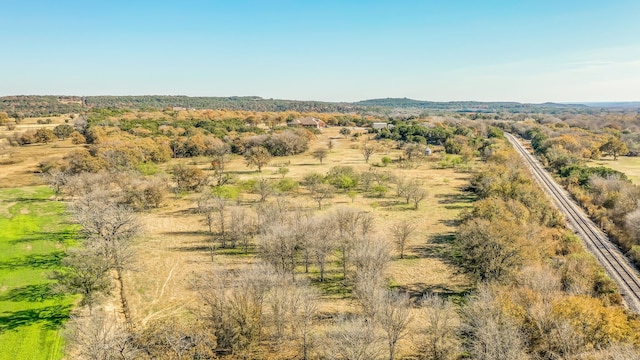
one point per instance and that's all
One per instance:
(343, 177)
(77, 138)
(380, 190)
(287, 185)
(230, 192)
(188, 178)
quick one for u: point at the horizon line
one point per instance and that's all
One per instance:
(343, 101)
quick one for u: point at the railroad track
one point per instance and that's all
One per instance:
(615, 263)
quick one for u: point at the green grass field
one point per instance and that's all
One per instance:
(630, 166)
(33, 236)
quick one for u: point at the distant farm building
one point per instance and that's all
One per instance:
(308, 122)
(381, 125)
(427, 151)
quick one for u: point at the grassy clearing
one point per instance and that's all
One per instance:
(33, 236)
(625, 164)
(19, 166)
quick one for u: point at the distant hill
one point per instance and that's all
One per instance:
(53, 105)
(619, 104)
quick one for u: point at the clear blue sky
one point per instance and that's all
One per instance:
(487, 50)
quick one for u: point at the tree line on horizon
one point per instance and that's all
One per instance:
(35, 105)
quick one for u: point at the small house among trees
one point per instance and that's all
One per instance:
(308, 122)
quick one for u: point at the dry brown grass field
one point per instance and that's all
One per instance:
(18, 166)
(174, 247)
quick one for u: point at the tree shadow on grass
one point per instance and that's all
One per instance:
(52, 317)
(31, 293)
(40, 261)
(194, 248)
(333, 285)
(25, 200)
(419, 290)
(450, 222)
(465, 197)
(438, 247)
(446, 238)
(184, 212)
(187, 233)
(63, 237)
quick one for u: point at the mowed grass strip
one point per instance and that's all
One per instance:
(33, 236)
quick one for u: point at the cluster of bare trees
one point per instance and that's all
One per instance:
(295, 236)
(257, 304)
(269, 302)
(108, 228)
(128, 189)
(96, 268)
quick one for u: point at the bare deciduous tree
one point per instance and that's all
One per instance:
(353, 340)
(103, 338)
(352, 225)
(272, 213)
(393, 315)
(490, 333)
(278, 247)
(142, 193)
(323, 244)
(401, 232)
(370, 257)
(440, 328)
(242, 227)
(109, 228)
(301, 225)
(86, 273)
(176, 338)
(219, 205)
(205, 208)
(220, 154)
(84, 183)
(320, 192)
(56, 179)
(236, 306)
(413, 150)
(368, 149)
(319, 154)
(632, 223)
(306, 308)
(263, 187)
(417, 195)
(280, 302)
